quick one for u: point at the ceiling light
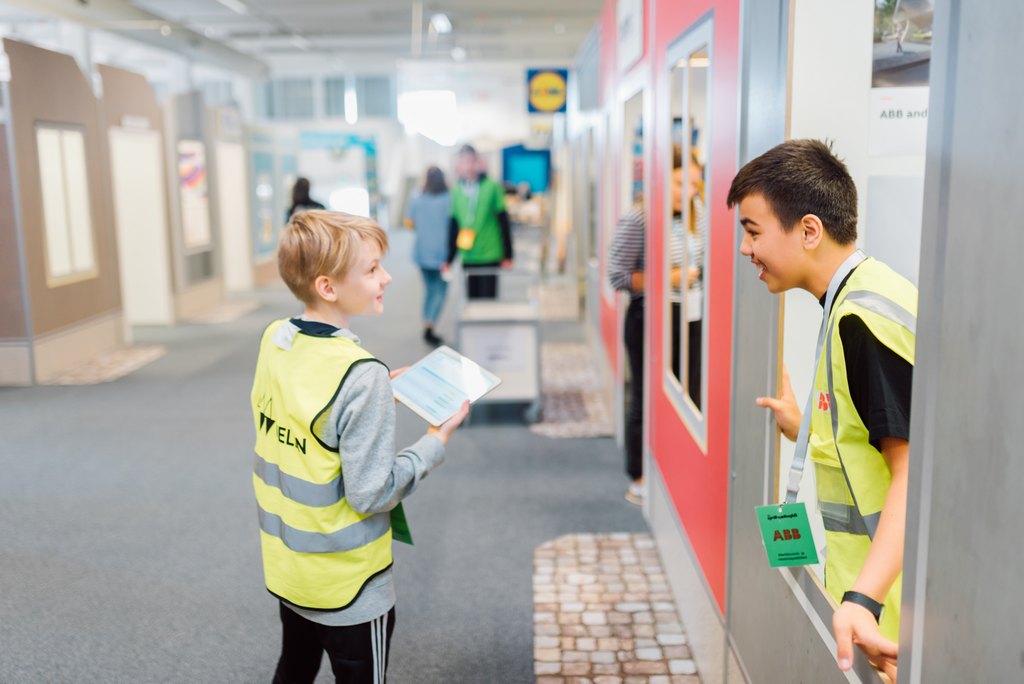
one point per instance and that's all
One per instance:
(458, 54)
(235, 6)
(559, 29)
(300, 42)
(440, 23)
(165, 30)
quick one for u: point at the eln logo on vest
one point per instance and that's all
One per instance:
(824, 401)
(284, 435)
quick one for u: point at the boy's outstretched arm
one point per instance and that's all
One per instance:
(787, 412)
(852, 623)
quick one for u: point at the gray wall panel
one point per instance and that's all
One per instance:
(964, 559)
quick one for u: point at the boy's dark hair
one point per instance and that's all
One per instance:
(467, 149)
(801, 177)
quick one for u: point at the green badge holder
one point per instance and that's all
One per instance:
(787, 534)
(400, 526)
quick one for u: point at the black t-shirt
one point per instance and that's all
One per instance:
(880, 380)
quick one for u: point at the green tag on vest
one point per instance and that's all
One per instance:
(787, 534)
(400, 526)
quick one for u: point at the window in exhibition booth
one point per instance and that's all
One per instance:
(687, 221)
(67, 215)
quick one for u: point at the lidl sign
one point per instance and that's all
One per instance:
(547, 89)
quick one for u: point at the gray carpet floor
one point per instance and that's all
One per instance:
(128, 538)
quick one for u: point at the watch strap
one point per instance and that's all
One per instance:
(864, 601)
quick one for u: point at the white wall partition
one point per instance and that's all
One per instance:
(233, 207)
(139, 185)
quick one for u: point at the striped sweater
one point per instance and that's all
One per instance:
(627, 252)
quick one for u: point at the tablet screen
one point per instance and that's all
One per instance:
(436, 385)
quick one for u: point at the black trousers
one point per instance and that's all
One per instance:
(358, 653)
(633, 336)
(694, 362)
(481, 286)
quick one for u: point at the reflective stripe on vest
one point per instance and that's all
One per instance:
(297, 489)
(318, 552)
(346, 539)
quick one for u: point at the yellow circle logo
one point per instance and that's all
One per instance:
(547, 92)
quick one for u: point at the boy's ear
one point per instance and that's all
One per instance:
(813, 231)
(324, 288)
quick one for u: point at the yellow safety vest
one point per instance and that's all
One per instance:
(318, 552)
(852, 476)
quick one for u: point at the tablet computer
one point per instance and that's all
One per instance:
(435, 386)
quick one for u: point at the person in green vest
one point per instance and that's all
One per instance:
(327, 480)
(480, 233)
(798, 207)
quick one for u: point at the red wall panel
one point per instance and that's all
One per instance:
(697, 482)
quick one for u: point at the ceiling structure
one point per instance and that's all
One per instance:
(251, 35)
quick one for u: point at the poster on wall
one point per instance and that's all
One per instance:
(195, 209)
(265, 219)
(899, 76)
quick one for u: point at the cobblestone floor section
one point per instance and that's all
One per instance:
(604, 614)
(573, 400)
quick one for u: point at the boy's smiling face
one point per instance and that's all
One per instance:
(779, 255)
(361, 291)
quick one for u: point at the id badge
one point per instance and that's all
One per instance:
(465, 239)
(400, 526)
(787, 536)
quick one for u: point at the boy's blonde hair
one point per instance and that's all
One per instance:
(316, 243)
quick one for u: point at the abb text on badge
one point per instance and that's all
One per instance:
(787, 534)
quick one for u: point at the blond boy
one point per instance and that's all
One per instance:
(327, 477)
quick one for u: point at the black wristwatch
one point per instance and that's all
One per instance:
(865, 601)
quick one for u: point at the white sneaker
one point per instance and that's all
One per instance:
(635, 494)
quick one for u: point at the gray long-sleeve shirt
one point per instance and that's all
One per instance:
(362, 426)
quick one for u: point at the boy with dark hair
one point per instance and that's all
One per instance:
(327, 479)
(798, 208)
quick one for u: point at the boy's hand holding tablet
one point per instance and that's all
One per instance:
(440, 386)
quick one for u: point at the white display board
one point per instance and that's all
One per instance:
(510, 351)
(67, 214)
(899, 121)
(141, 218)
(192, 189)
(232, 187)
